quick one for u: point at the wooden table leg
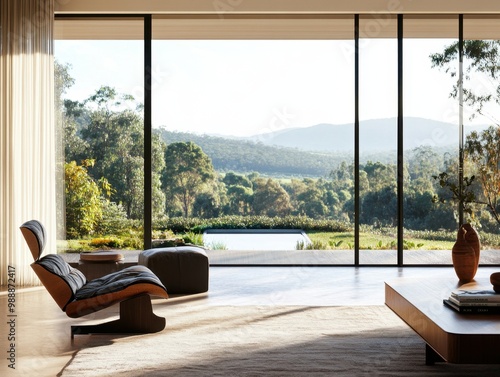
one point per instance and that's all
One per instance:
(432, 356)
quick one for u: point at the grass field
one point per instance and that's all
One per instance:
(370, 241)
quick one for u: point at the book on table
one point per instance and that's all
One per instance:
(473, 309)
(476, 301)
(475, 296)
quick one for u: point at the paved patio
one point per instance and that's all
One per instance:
(318, 257)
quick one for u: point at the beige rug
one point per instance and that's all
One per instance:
(202, 340)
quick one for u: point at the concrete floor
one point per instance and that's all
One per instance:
(43, 346)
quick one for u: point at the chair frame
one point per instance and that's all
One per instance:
(136, 317)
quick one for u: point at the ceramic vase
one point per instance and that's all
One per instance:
(465, 253)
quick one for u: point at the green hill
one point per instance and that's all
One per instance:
(248, 156)
(317, 150)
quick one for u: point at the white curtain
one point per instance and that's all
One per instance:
(27, 131)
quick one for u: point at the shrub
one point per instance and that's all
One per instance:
(111, 242)
(193, 238)
(114, 218)
(182, 225)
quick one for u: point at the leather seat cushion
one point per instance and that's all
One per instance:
(55, 264)
(117, 281)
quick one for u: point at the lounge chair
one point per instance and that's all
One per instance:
(132, 287)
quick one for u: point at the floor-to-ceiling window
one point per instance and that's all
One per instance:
(431, 131)
(99, 96)
(378, 93)
(260, 113)
(481, 119)
(273, 111)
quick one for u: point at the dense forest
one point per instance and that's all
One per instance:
(206, 176)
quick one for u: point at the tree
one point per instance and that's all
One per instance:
(83, 200)
(158, 164)
(270, 199)
(188, 169)
(75, 147)
(240, 199)
(232, 179)
(206, 205)
(380, 175)
(483, 150)
(311, 203)
(379, 207)
(239, 194)
(483, 58)
(110, 130)
(424, 162)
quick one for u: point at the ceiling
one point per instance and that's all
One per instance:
(224, 7)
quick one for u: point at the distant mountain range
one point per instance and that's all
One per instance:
(377, 135)
(314, 151)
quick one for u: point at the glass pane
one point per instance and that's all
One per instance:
(270, 122)
(99, 94)
(430, 140)
(482, 132)
(378, 58)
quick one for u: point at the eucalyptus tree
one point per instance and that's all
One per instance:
(270, 199)
(233, 179)
(312, 203)
(480, 88)
(188, 172)
(108, 128)
(481, 66)
(239, 191)
(483, 150)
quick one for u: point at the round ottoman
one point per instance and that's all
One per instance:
(182, 269)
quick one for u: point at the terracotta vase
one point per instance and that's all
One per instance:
(465, 253)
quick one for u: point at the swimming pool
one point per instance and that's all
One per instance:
(254, 239)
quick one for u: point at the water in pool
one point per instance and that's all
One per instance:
(243, 239)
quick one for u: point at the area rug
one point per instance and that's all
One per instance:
(201, 340)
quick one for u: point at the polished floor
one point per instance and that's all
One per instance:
(42, 331)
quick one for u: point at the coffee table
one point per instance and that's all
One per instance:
(449, 335)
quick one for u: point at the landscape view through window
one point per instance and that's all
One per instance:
(260, 134)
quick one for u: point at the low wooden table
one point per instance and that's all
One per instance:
(449, 335)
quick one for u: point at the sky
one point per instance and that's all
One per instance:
(244, 88)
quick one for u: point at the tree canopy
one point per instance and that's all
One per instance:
(482, 149)
(188, 169)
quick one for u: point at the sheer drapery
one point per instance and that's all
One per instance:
(27, 140)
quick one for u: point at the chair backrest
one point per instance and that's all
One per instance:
(35, 235)
(59, 278)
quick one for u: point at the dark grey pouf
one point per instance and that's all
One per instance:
(182, 269)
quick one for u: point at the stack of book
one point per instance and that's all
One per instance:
(474, 301)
